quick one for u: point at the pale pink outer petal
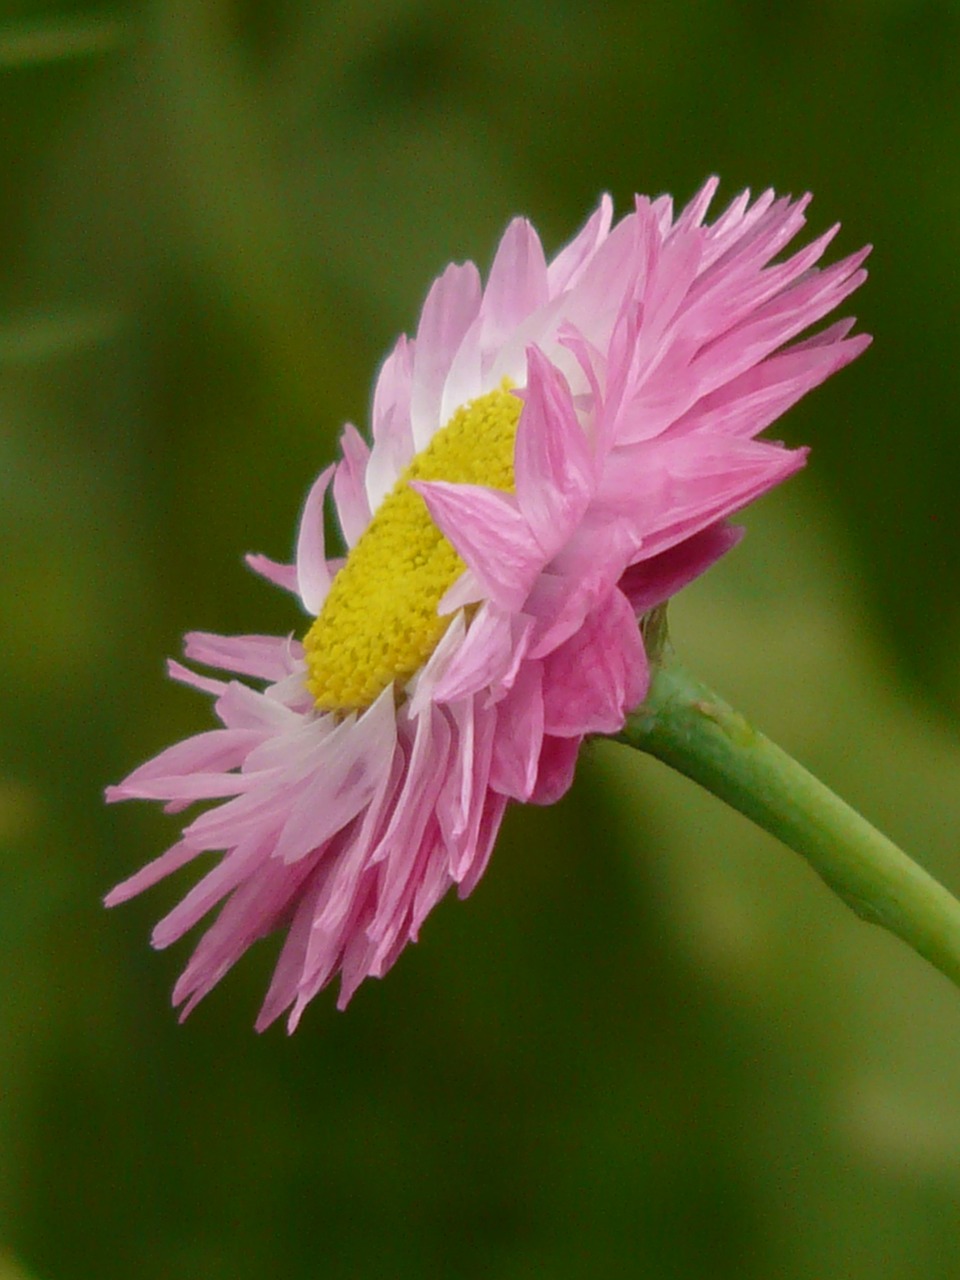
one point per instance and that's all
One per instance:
(615, 271)
(216, 750)
(281, 575)
(565, 269)
(450, 308)
(487, 656)
(333, 911)
(232, 870)
(461, 801)
(313, 576)
(393, 445)
(263, 657)
(352, 771)
(288, 975)
(175, 857)
(349, 489)
(421, 687)
(177, 671)
(254, 910)
(517, 286)
(465, 591)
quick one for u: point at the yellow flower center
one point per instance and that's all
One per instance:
(379, 621)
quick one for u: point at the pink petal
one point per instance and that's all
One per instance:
(465, 591)
(489, 533)
(600, 674)
(518, 282)
(183, 791)
(215, 750)
(579, 578)
(614, 272)
(232, 870)
(553, 467)
(732, 232)
(558, 762)
(392, 437)
(177, 671)
(263, 657)
(240, 707)
(779, 320)
(485, 656)
(345, 888)
(176, 857)
(349, 491)
(695, 212)
(281, 575)
(347, 772)
(433, 882)
(671, 489)
(762, 394)
(447, 314)
(391, 395)
(492, 816)
(654, 581)
(313, 576)
(254, 909)
(454, 801)
(566, 268)
(461, 800)
(290, 963)
(731, 217)
(421, 688)
(519, 736)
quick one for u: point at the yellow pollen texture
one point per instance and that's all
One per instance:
(379, 621)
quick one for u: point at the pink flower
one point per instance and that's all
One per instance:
(554, 455)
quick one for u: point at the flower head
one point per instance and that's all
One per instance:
(554, 455)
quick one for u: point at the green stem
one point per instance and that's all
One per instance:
(685, 724)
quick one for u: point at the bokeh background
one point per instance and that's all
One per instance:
(651, 1043)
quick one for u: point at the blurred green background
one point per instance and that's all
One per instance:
(651, 1044)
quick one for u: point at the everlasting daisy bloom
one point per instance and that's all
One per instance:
(554, 455)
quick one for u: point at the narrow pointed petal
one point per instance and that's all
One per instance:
(313, 576)
(349, 490)
(565, 269)
(176, 857)
(553, 465)
(281, 575)
(263, 657)
(393, 445)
